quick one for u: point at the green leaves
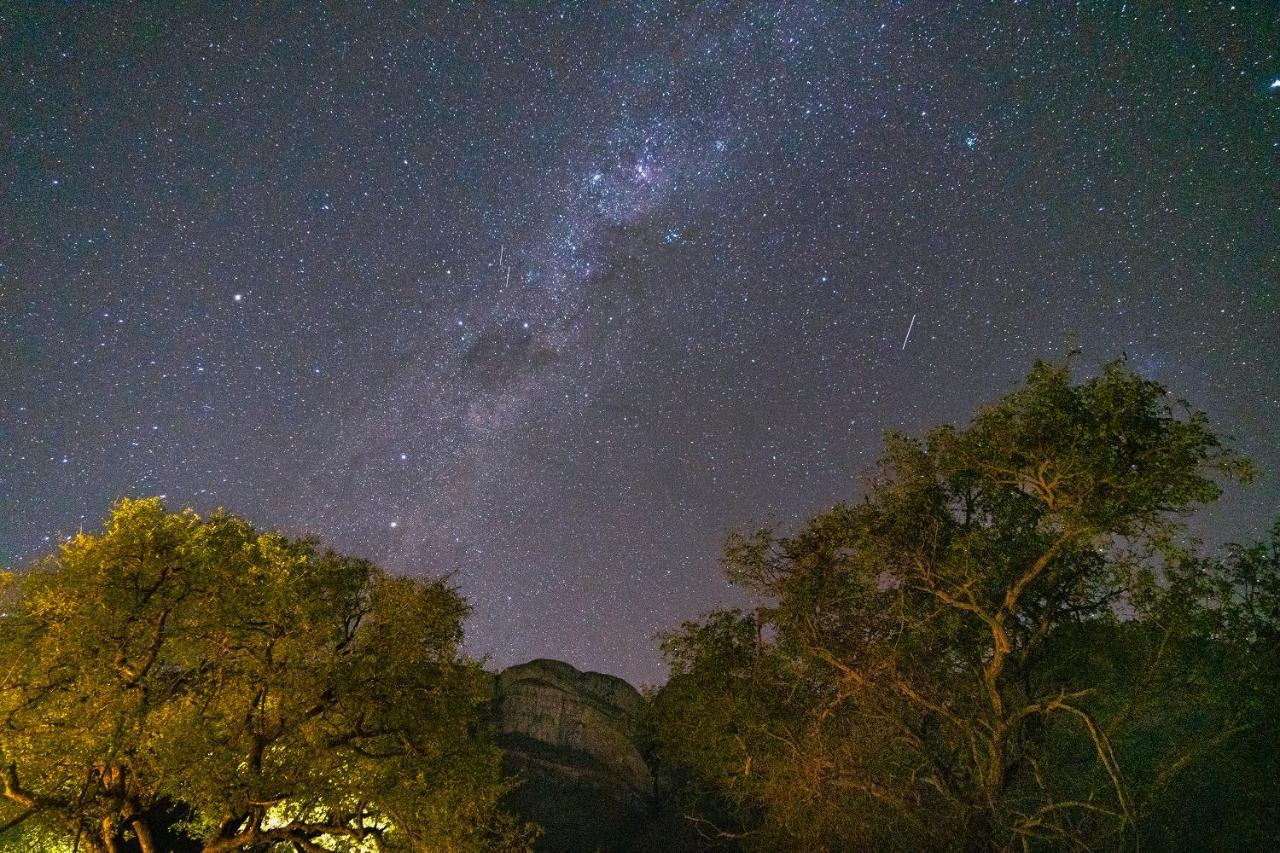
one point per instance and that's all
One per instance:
(274, 693)
(1112, 453)
(970, 655)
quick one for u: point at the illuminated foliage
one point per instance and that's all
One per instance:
(1008, 644)
(180, 682)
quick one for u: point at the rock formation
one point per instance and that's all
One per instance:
(570, 736)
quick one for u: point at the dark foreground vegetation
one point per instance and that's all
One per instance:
(1010, 643)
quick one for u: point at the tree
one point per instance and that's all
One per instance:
(968, 657)
(1214, 712)
(238, 690)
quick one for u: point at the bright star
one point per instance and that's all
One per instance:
(239, 297)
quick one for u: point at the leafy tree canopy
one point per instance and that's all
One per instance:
(180, 682)
(1009, 643)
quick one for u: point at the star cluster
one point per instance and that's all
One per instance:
(551, 297)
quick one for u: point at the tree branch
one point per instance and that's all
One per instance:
(19, 819)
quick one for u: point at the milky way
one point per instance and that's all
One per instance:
(552, 297)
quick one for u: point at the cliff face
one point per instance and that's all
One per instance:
(574, 724)
(569, 735)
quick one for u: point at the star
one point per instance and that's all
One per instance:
(715, 226)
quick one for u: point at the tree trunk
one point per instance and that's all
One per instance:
(143, 832)
(108, 837)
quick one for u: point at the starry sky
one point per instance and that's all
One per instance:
(552, 296)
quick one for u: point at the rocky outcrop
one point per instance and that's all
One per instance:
(570, 736)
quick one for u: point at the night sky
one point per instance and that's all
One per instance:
(553, 296)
